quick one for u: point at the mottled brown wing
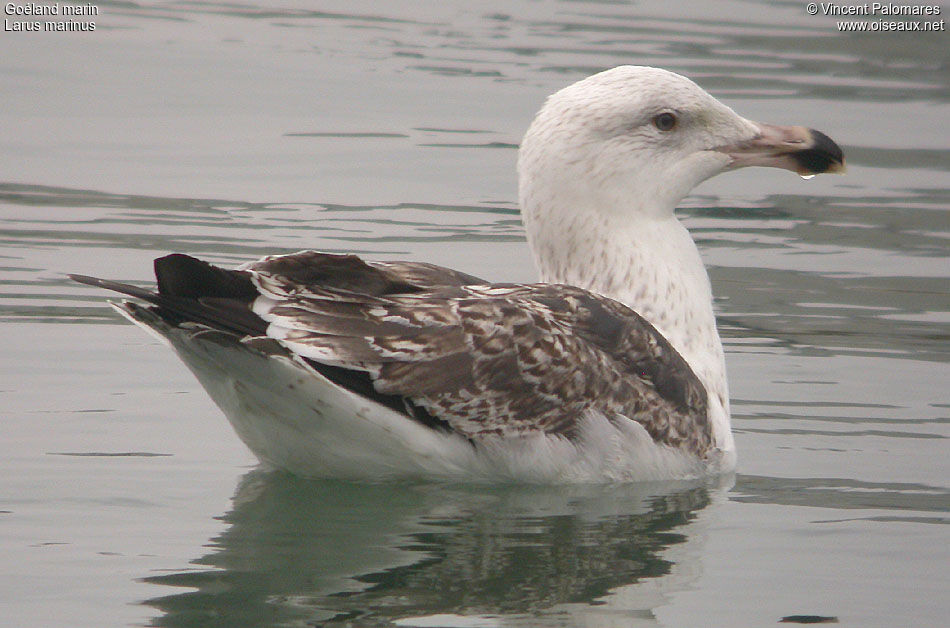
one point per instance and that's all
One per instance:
(299, 272)
(488, 359)
(447, 349)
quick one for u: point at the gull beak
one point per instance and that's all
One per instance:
(796, 148)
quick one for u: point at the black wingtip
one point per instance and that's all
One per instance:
(185, 276)
(115, 286)
(86, 279)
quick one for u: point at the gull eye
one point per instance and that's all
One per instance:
(664, 121)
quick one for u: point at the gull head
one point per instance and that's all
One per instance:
(639, 139)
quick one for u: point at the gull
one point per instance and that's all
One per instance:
(610, 369)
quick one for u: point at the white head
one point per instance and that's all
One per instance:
(637, 138)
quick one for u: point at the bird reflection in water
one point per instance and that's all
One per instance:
(330, 553)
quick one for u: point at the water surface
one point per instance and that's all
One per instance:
(233, 130)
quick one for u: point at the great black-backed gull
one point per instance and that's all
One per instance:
(610, 370)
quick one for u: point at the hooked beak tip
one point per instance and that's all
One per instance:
(796, 148)
(824, 155)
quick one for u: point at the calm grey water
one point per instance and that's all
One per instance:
(230, 130)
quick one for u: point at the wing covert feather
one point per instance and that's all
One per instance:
(487, 359)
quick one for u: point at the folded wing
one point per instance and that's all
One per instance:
(446, 348)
